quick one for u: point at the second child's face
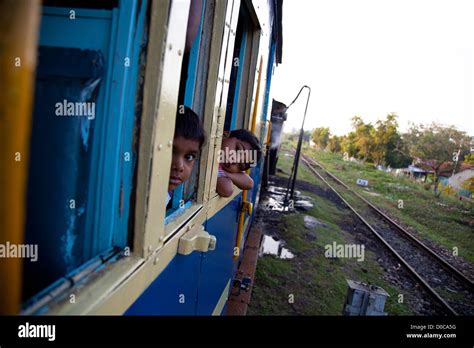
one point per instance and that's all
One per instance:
(234, 144)
(185, 152)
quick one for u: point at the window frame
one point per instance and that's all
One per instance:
(116, 126)
(254, 36)
(102, 287)
(179, 203)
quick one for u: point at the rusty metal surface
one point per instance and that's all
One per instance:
(238, 300)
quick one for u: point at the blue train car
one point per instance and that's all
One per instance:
(110, 76)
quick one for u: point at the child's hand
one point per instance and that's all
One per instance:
(241, 180)
(224, 187)
(225, 184)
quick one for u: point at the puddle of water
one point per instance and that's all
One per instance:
(281, 191)
(273, 204)
(270, 246)
(275, 200)
(311, 222)
(303, 204)
(274, 190)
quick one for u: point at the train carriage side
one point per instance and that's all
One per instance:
(97, 182)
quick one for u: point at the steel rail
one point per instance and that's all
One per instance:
(445, 264)
(417, 276)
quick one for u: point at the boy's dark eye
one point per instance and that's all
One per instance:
(190, 157)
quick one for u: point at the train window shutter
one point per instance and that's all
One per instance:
(82, 149)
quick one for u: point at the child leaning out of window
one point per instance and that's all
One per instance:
(189, 136)
(239, 151)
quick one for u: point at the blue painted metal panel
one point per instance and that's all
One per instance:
(271, 60)
(60, 158)
(57, 29)
(174, 214)
(256, 176)
(193, 63)
(217, 266)
(92, 242)
(108, 153)
(176, 200)
(162, 297)
(131, 25)
(60, 164)
(235, 105)
(201, 277)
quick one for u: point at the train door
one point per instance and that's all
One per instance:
(218, 267)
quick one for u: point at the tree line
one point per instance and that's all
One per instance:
(434, 145)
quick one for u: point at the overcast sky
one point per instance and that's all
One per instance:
(373, 57)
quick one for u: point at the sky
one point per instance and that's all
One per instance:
(373, 57)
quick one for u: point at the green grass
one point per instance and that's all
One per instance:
(444, 220)
(317, 284)
(285, 164)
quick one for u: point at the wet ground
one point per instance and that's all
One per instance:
(272, 246)
(273, 211)
(277, 199)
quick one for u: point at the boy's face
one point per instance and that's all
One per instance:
(237, 145)
(185, 152)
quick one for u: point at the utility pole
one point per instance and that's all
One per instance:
(294, 169)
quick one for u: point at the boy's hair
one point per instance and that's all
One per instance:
(188, 125)
(250, 138)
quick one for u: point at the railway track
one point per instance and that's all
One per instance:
(444, 283)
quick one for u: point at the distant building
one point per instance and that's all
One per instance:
(416, 172)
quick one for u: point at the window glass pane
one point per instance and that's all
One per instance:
(60, 161)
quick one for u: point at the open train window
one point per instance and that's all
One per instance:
(240, 78)
(82, 151)
(192, 92)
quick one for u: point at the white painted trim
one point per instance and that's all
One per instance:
(222, 300)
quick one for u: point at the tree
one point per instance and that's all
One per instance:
(320, 137)
(435, 145)
(397, 155)
(385, 133)
(348, 144)
(334, 144)
(364, 138)
(387, 138)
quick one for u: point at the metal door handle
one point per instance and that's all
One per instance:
(196, 240)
